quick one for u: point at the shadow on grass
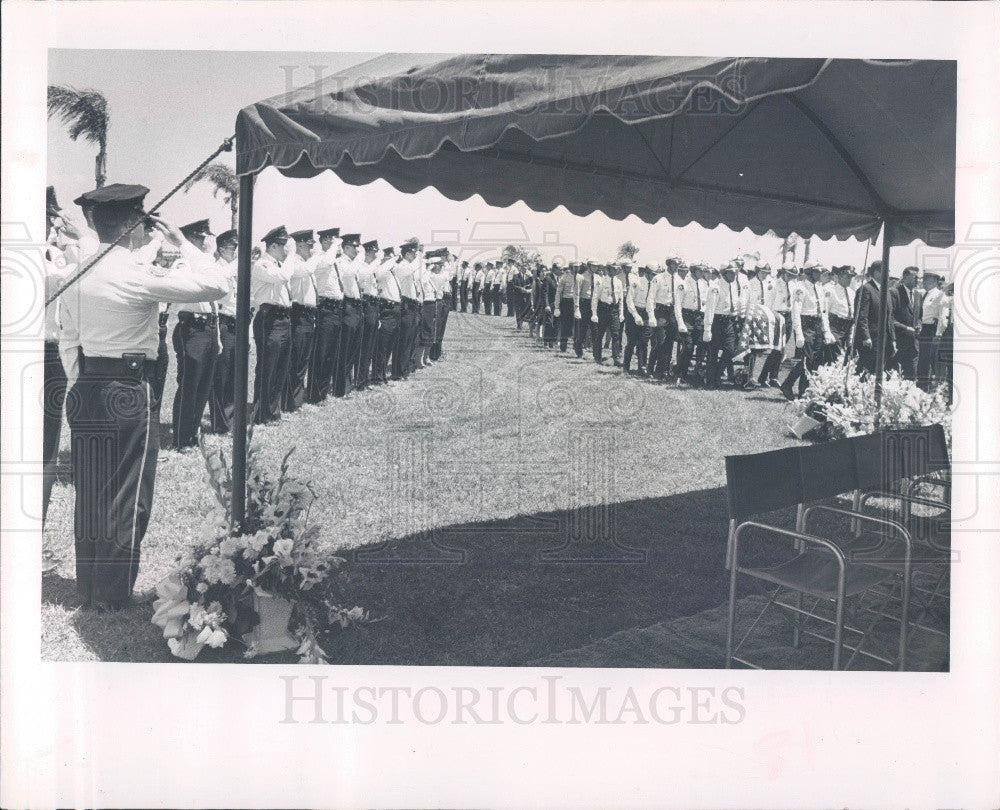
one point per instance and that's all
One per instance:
(503, 593)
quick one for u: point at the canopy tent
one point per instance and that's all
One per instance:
(815, 147)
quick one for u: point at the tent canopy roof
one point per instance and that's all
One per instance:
(808, 146)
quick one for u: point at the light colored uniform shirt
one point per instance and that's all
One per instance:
(366, 276)
(386, 281)
(609, 290)
(441, 281)
(119, 302)
(196, 260)
(807, 299)
(640, 298)
(328, 284)
(348, 269)
(406, 275)
(565, 286)
(269, 281)
(57, 270)
(840, 301)
(227, 304)
(726, 298)
(585, 285)
(479, 277)
(302, 285)
(933, 302)
(423, 283)
(781, 297)
(695, 296)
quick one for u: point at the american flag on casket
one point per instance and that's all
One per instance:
(763, 330)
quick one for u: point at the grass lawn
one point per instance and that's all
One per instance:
(502, 506)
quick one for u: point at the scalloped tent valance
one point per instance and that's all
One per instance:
(819, 147)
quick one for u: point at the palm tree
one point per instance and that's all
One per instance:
(788, 245)
(520, 255)
(627, 250)
(224, 182)
(85, 112)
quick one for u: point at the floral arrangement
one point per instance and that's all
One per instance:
(212, 597)
(844, 403)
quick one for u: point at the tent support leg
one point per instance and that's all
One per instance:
(883, 321)
(241, 352)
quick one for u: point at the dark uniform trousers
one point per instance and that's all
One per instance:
(512, 300)
(272, 334)
(114, 443)
(221, 404)
(476, 297)
(663, 339)
(927, 349)
(196, 344)
(463, 288)
(425, 332)
(326, 348)
(637, 336)
(725, 336)
(810, 356)
(694, 320)
(444, 306)
(841, 329)
(303, 320)
(454, 294)
(497, 297)
(409, 322)
(772, 365)
(386, 340)
(350, 339)
(54, 395)
(366, 349)
(566, 321)
(607, 321)
(159, 377)
(583, 335)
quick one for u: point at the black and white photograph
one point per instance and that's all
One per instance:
(445, 381)
(589, 361)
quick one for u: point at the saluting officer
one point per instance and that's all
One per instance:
(196, 344)
(272, 332)
(329, 318)
(350, 339)
(114, 439)
(390, 312)
(478, 282)
(221, 403)
(428, 310)
(302, 265)
(811, 327)
(370, 307)
(440, 277)
(407, 276)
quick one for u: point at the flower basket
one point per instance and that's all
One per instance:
(272, 633)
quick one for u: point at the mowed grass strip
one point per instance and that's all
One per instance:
(501, 506)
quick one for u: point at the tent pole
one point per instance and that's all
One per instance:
(241, 351)
(881, 344)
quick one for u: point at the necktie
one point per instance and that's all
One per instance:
(697, 289)
(592, 282)
(613, 299)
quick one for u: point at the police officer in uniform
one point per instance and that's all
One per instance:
(478, 282)
(609, 295)
(406, 274)
(350, 336)
(640, 317)
(692, 303)
(196, 344)
(329, 318)
(840, 311)
(463, 285)
(114, 440)
(583, 308)
(565, 305)
(781, 305)
(668, 325)
(370, 308)
(272, 331)
(302, 264)
(726, 306)
(221, 404)
(390, 314)
(811, 327)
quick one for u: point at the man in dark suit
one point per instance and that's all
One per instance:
(905, 311)
(866, 340)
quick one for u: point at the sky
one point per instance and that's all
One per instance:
(170, 109)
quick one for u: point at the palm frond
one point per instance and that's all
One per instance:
(84, 112)
(223, 180)
(627, 250)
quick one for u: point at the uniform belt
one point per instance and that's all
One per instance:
(664, 308)
(134, 366)
(274, 309)
(410, 301)
(330, 304)
(297, 305)
(370, 299)
(385, 302)
(197, 319)
(729, 315)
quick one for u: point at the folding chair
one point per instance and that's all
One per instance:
(829, 470)
(766, 482)
(877, 458)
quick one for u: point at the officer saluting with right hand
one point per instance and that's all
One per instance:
(114, 441)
